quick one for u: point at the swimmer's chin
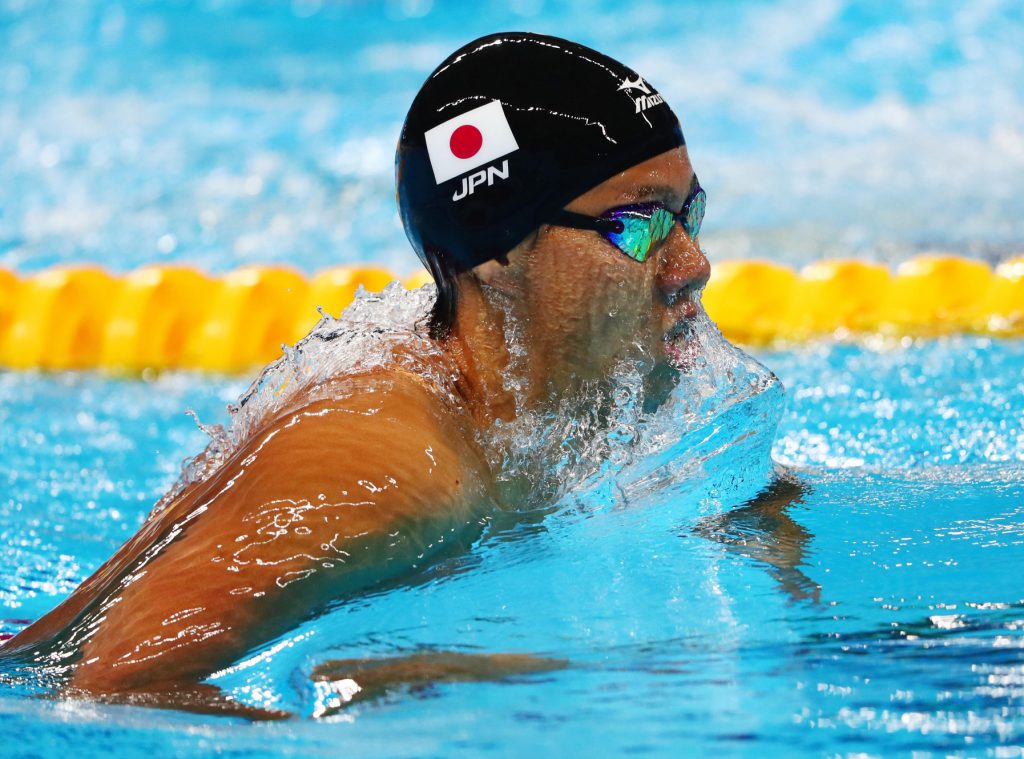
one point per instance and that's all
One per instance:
(682, 352)
(659, 384)
(681, 344)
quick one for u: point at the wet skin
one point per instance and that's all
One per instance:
(328, 500)
(336, 496)
(584, 305)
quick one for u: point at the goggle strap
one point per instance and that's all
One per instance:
(575, 220)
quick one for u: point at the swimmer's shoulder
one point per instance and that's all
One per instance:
(373, 426)
(378, 399)
(381, 426)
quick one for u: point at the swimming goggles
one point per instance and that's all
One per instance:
(638, 229)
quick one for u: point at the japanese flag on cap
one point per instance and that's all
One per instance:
(469, 140)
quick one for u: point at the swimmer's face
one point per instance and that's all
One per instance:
(587, 305)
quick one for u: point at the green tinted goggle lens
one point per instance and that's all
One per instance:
(636, 230)
(642, 229)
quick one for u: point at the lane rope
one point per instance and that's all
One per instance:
(175, 316)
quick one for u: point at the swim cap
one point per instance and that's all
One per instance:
(510, 129)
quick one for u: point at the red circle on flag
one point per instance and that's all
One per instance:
(466, 141)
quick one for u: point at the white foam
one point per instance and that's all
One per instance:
(601, 435)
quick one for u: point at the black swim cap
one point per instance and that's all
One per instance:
(510, 129)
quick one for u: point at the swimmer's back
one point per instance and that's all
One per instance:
(331, 497)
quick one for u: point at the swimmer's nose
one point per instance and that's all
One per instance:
(684, 269)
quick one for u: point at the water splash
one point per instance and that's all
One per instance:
(600, 440)
(726, 402)
(713, 432)
(384, 329)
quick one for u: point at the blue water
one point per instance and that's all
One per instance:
(225, 132)
(881, 614)
(884, 613)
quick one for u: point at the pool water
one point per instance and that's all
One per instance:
(881, 612)
(224, 132)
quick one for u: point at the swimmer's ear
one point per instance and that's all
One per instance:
(491, 273)
(503, 272)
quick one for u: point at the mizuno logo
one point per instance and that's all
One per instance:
(646, 100)
(639, 84)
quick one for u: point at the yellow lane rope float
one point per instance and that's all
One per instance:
(173, 316)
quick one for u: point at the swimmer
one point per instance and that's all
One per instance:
(543, 184)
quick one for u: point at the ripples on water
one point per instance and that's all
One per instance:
(877, 603)
(875, 609)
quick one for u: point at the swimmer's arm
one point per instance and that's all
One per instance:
(334, 498)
